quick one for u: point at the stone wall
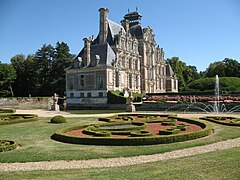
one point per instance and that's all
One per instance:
(26, 102)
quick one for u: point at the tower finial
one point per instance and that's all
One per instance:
(128, 10)
(136, 8)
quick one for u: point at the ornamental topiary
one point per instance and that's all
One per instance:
(58, 119)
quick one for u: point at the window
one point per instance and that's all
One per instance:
(100, 82)
(137, 83)
(82, 81)
(130, 81)
(89, 94)
(71, 95)
(81, 94)
(136, 64)
(130, 64)
(71, 83)
(117, 79)
(123, 62)
(100, 94)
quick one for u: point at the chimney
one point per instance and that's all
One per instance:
(87, 43)
(103, 25)
(125, 24)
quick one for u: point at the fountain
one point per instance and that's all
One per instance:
(216, 102)
(216, 107)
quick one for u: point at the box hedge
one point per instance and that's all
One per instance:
(58, 119)
(60, 135)
(17, 118)
(7, 145)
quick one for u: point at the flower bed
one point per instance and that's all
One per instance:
(142, 132)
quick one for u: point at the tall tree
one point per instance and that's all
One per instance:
(7, 75)
(18, 63)
(44, 61)
(32, 83)
(61, 61)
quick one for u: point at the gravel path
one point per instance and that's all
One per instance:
(121, 161)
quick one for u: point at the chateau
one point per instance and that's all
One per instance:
(122, 56)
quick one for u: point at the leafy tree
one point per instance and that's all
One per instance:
(216, 68)
(7, 75)
(225, 68)
(184, 73)
(232, 67)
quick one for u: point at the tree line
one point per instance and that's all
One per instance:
(187, 74)
(43, 73)
(39, 74)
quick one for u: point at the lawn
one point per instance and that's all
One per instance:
(36, 144)
(224, 164)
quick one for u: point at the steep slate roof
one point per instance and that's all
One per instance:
(137, 31)
(104, 51)
(114, 28)
(113, 31)
(169, 71)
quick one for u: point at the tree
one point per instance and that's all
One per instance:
(225, 68)
(61, 61)
(216, 68)
(7, 75)
(18, 63)
(184, 73)
(44, 62)
(232, 67)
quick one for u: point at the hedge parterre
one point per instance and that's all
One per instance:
(135, 129)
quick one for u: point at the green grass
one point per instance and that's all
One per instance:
(36, 144)
(94, 111)
(224, 164)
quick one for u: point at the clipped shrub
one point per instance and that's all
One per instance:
(169, 122)
(5, 110)
(17, 118)
(7, 145)
(235, 121)
(182, 127)
(58, 119)
(216, 119)
(169, 131)
(104, 119)
(115, 97)
(141, 133)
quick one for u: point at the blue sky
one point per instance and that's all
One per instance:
(197, 31)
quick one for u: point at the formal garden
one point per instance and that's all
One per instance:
(31, 138)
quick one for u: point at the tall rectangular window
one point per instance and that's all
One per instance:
(82, 81)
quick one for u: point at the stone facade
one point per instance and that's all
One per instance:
(121, 56)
